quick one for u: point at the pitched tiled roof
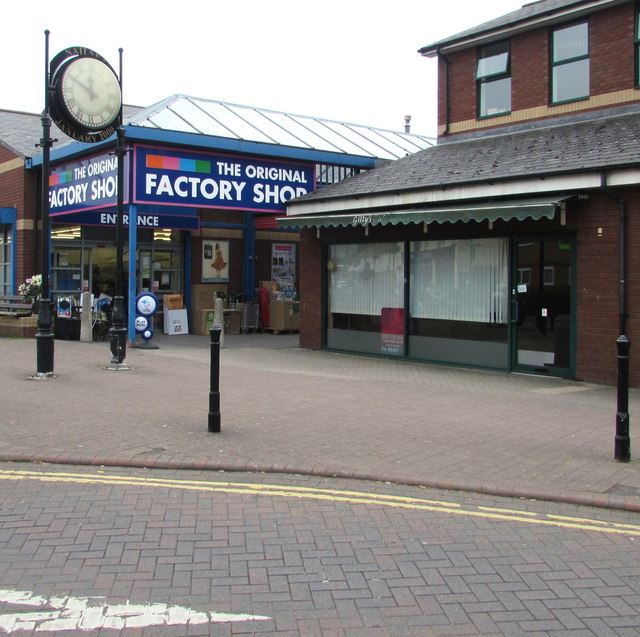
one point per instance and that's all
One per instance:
(601, 142)
(20, 132)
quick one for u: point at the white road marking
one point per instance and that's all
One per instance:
(83, 613)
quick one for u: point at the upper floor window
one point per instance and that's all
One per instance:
(570, 62)
(493, 73)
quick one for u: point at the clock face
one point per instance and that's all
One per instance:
(90, 93)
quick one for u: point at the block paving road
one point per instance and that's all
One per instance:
(342, 558)
(315, 564)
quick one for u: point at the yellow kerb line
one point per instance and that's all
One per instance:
(329, 495)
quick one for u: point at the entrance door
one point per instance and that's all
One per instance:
(542, 312)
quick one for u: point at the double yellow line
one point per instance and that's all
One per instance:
(332, 495)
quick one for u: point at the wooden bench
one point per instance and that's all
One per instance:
(11, 305)
(16, 319)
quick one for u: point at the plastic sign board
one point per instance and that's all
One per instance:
(170, 177)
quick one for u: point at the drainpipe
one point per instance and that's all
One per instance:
(446, 91)
(622, 446)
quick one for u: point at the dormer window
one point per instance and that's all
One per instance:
(570, 63)
(493, 74)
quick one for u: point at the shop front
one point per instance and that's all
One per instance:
(196, 234)
(491, 289)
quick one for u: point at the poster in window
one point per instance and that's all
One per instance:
(392, 331)
(283, 262)
(215, 261)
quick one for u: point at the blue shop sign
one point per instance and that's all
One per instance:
(86, 184)
(165, 176)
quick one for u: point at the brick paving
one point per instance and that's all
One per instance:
(290, 410)
(315, 567)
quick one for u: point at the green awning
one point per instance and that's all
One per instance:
(482, 211)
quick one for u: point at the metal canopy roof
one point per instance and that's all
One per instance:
(194, 115)
(520, 210)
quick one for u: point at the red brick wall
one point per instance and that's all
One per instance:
(18, 189)
(612, 68)
(611, 36)
(310, 290)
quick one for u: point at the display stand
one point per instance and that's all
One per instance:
(175, 322)
(248, 317)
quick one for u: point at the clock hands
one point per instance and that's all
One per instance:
(88, 88)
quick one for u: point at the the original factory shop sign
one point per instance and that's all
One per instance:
(85, 192)
(86, 184)
(181, 178)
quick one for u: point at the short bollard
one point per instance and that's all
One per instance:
(214, 380)
(622, 444)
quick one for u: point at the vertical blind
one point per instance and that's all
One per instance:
(366, 278)
(460, 280)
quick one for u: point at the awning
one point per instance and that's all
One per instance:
(519, 210)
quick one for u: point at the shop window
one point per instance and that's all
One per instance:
(366, 287)
(460, 280)
(570, 63)
(67, 271)
(458, 309)
(167, 271)
(494, 79)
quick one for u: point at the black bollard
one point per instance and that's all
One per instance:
(118, 333)
(622, 451)
(44, 339)
(214, 381)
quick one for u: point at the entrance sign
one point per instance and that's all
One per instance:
(171, 177)
(144, 220)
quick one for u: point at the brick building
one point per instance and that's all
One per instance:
(512, 243)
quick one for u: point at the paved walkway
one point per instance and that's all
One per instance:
(286, 409)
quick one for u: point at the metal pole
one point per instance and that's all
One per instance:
(622, 450)
(118, 330)
(622, 443)
(45, 335)
(214, 380)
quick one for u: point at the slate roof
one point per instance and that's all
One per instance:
(20, 131)
(601, 142)
(510, 20)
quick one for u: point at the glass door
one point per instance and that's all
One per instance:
(542, 307)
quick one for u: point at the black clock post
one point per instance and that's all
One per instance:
(45, 335)
(118, 330)
(85, 98)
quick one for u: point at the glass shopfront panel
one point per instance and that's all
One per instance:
(366, 298)
(458, 311)
(456, 305)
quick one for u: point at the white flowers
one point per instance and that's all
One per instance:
(31, 288)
